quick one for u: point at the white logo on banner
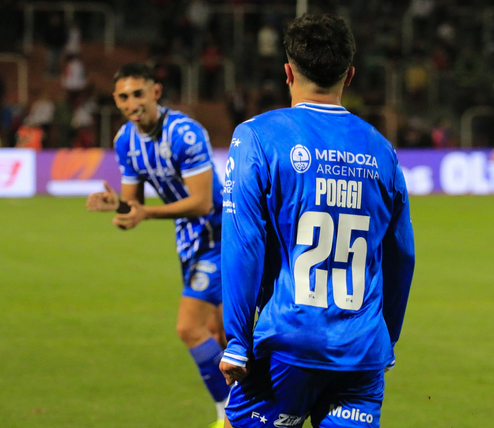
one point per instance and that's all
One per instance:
(17, 173)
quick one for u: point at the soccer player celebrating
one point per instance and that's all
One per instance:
(172, 152)
(320, 249)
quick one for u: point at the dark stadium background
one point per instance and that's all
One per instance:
(87, 312)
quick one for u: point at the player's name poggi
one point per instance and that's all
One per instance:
(340, 193)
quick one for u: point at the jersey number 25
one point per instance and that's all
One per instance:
(318, 295)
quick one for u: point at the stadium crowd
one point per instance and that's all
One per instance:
(422, 65)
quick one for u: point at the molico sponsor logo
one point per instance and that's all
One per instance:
(351, 414)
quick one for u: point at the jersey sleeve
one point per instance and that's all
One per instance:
(122, 150)
(398, 259)
(191, 145)
(244, 239)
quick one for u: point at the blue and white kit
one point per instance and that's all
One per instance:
(179, 148)
(318, 241)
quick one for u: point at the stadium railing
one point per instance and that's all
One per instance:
(22, 74)
(68, 9)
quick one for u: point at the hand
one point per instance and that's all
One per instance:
(133, 218)
(103, 201)
(233, 373)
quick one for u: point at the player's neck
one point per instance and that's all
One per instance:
(317, 99)
(310, 94)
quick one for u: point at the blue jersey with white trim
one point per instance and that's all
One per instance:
(179, 149)
(317, 236)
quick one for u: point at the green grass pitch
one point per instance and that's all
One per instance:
(87, 322)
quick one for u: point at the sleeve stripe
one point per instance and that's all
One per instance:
(237, 357)
(233, 361)
(195, 171)
(129, 180)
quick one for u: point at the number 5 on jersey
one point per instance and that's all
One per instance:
(318, 295)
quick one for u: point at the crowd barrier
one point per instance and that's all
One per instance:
(27, 172)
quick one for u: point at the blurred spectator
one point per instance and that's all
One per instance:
(268, 98)
(82, 123)
(11, 117)
(10, 25)
(73, 78)
(62, 129)
(417, 81)
(41, 116)
(55, 37)
(169, 75)
(422, 11)
(414, 134)
(3, 91)
(74, 40)
(446, 34)
(468, 72)
(442, 134)
(353, 101)
(212, 66)
(268, 43)
(237, 105)
(199, 16)
(29, 137)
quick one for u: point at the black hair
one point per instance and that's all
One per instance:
(321, 47)
(136, 70)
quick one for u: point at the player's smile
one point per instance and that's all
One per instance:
(137, 114)
(136, 98)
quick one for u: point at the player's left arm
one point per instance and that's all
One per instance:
(190, 145)
(198, 203)
(244, 240)
(398, 259)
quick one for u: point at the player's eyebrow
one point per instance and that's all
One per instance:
(125, 95)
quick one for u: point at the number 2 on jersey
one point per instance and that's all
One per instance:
(305, 236)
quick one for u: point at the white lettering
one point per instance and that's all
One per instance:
(342, 193)
(353, 414)
(320, 189)
(323, 155)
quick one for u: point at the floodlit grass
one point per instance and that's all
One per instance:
(87, 322)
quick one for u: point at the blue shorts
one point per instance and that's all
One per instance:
(202, 276)
(275, 395)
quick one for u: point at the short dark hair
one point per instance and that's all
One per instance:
(134, 69)
(321, 47)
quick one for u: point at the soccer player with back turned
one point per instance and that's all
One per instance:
(319, 243)
(172, 152)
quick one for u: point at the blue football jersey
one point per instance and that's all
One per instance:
(317, 236)
(179, 148)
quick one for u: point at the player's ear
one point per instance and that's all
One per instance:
(158, 89)
(349, 76)
(289, 74)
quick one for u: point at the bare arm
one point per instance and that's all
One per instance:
(103, 201)
(198, 203)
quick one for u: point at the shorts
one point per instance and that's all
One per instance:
(275, 395)
(202, 276)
